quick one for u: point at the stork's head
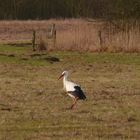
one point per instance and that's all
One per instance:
(64, 74)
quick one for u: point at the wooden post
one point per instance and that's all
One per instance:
(53, 33)
(33, 40)
(100, 38)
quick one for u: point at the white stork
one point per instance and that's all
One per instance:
(72, 89)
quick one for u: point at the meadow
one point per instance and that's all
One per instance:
(33, 104)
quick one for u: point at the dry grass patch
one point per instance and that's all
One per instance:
(33, 104)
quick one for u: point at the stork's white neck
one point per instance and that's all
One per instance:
(65, 79)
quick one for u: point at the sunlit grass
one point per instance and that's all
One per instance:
(26, 52)
(40, 107)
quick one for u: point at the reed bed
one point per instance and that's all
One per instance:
(75, 34)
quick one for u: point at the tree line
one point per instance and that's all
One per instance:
(46, 9)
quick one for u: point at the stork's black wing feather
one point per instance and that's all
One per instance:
(78, 93)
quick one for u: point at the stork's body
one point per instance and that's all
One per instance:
(73, 89)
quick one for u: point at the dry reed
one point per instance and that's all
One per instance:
(74, 34)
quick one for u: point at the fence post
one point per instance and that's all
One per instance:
(53, 33)
(33, 40)
(100, 38)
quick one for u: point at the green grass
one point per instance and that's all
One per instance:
(39, 106)
(117, 58)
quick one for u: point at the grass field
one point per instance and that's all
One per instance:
(33, 105)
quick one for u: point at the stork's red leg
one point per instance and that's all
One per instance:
(75, 101)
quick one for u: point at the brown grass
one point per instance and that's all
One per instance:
(42, 45)
(33, 105)
(74, 34)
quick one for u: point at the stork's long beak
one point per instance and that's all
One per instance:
(60, 76)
